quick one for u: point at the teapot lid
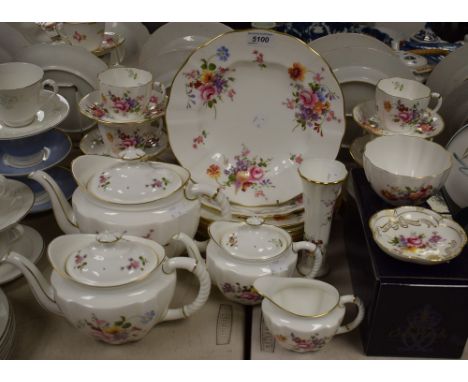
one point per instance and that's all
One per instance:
(111, 260)
(134, 182)
(254, 240)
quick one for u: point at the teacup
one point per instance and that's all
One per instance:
(126, 92)
(20, 87)
(120, 137)
(86, 35)
(402, 103)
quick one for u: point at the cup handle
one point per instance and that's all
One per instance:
(350, 299)
(15, 234)
(438, 97)
(159, 86)
(311, 250)
(55, 90)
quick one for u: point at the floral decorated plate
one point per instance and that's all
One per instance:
(246, 106)
(92, 143)
(92, 107)
(456, 184)
(417, 235)
(365, 115)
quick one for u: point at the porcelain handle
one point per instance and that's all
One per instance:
(350, 299)
(196, 190)
(313, 253)
(159, 86)
(311, 250)
(199, 270)
(15, 233)
(439, 101)
(55, 90)
(196, 265)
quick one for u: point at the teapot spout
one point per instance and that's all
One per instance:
(63, 211)
(42, 290)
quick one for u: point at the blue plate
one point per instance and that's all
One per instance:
(65, 181)
(56, 144)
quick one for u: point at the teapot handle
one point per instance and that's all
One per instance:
(310, 248)
(350, 299)
(196, 265)
(220, 198)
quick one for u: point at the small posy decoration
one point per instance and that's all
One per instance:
(136, 264)
(246, 293)
(159, 183)
(125, 104)
(313, 343)
(208, 84)
(200, 139)
(407, 194)
(80, 261)
(312, 101)
(416, 242)
(247, 173)
(259, 59)
(79, 36)
(104, 181)
(422, 122)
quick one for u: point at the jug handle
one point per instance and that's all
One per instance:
(350, 299)
(196, 265)
(317, 256)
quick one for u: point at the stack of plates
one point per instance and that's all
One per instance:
(7, 327)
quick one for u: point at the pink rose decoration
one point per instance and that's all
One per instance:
(256, 173)
(153, 99)
(121, 105)
(425, 127)
(308, 98)
(414, 241)
(207, 92)
(405, 116)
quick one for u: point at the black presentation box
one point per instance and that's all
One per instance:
(412, 310)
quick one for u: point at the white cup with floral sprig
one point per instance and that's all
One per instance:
(88, 35)
(126, 92)
(403, 103)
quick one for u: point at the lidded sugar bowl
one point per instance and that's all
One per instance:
(113, 288)
(238, 253)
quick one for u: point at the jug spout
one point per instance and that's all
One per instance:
(42, 290)
(63, 211)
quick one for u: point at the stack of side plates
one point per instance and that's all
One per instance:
(7, 327)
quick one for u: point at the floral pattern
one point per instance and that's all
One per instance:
(414, 117)
(208, 84)
(104, 181)
(415, 242)
(100, 111)
(159, 183)
(245, 293)
(80, 261)
(117, 332)
(79, 36)
(124, 104)
(407, 194)
(312, 101)
(278, 243)
(247, 173)
(259, 59)
(313, 343)
(136, 264)
(232, 240)
(296, 158)
(136, 140)
(200, 139)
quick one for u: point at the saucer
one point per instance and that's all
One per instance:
(29, 245)
(65, 181)
(365, 115)
(417, 235)
(57, 146)
(110, 41)
(53, 112)
(91, 106)
(358, 146)
(15, 205)
(92, 144)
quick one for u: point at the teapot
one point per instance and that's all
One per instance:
(239, 253)
(113, 287)
(148, 199)
(303, 314)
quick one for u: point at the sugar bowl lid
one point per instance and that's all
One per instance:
(108, 259)
(134, 183)
(253, 240)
